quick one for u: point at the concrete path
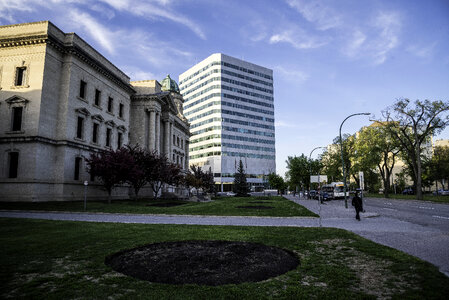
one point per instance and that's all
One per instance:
(428, 243)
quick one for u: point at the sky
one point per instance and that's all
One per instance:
(330, 58)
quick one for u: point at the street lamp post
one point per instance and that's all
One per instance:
(342, 159)
(310, 165)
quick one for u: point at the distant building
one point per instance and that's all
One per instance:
(230, 106)
(60, 101)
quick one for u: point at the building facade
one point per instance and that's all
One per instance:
(60, 101)
(230, 106)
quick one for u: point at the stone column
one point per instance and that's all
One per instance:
(170, 149)
(166, 137)
(186, 151)
(152, 130)
(158, 132)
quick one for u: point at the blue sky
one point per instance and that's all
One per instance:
(330, 58)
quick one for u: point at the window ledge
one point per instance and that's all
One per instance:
(15, 132)
(110, 113)
(97, 107)
(79, 140)
(120, 118)
(82, 99)
(20, 86)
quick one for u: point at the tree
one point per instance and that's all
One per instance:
(197, 178)
(111, 167)
(412, 126)
(374, 148)
(331, 159)
(159, 171)
(240, 185)
(136, 172)
(439, 165)
(277, 182)
(299, 168)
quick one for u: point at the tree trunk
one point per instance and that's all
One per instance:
(419, 195)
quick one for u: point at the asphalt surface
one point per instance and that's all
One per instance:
(415, 227)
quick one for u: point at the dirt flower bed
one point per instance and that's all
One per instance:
(203, 262)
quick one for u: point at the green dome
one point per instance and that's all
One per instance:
(169, 84)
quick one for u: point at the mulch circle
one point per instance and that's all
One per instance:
(166, 204)
(256, 207)
(203, 262)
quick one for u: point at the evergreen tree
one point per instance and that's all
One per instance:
(240, 185)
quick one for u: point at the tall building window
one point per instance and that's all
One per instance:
(13, 164)
(97, 97)
(79, 127)
(77, 168)
(108, 137)
(110, 104)
(17, 118)
(174, 139)
(95, 133)
(120, 110)
(82, 89)
(20, 76)
(119, 139)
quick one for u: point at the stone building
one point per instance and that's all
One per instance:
(60, 101)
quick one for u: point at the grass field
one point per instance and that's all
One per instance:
(280, 207)
(427, 197)
(65, 260)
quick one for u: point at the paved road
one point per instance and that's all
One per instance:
(404, 225)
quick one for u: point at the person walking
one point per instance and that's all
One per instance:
(357, 203)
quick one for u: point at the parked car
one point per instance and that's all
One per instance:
(312, 194)
(325, 196)
(408, 191)
(441, 192)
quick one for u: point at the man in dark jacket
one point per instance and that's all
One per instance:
(357, 203)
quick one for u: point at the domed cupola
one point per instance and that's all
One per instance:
(169, 85)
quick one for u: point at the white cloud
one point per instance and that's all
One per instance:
(284, 124)
(317, 12)
(298, 38)
(152, 10)
(8, 7)
(292, 75)
(373, 40)
(97, 31)
(355, 44)
(422, 51)
(137, 74)
(389, 24)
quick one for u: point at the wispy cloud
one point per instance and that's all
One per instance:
(284, 124)
(152, 9)
(318, 12)
(138, 74)
(375, 39)
(298, 38)
(422, 51)
(292, 75)
(389, 25)
(355, 44)
(97, 31)
(7, 9)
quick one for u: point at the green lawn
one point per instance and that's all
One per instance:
(281, 207)
(65, 260)
(427, 197)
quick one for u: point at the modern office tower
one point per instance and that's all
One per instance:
(230, 106)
